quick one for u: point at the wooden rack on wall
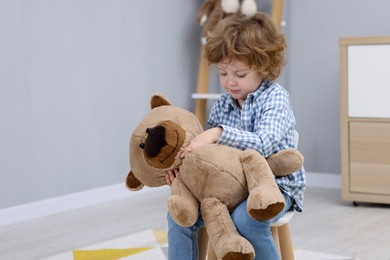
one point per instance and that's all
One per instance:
(202, 92)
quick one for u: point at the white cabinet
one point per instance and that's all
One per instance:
(365, 118)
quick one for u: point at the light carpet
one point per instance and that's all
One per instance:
(148, 244)
(152, 244)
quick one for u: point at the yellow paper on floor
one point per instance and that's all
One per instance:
(106, 254)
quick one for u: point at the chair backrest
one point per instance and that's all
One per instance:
(296, 139)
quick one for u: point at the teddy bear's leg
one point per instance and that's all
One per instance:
(227, 243)
(265, 200)
(182, 205)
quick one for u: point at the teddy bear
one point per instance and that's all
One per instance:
(213, 178)
(212, 11)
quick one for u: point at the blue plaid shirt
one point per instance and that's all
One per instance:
(265, 123)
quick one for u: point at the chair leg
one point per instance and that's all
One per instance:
(203, 241)
(287, 251)
(211, 254)
(275, 235)
(205, 248)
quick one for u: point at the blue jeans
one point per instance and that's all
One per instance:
(183, 241)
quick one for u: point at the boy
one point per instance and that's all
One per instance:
(253, 113)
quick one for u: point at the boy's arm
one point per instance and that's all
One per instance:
(269, 127)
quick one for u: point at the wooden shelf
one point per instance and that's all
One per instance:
(207, 96)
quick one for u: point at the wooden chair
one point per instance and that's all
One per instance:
(281, 234)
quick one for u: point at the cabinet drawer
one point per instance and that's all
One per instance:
(368, 66)
(369, 146)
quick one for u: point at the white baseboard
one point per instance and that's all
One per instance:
(68, 202)
(323, 180)
(88, 198)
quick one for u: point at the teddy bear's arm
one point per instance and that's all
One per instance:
(133, 183)
(285, 162)
(182, 204)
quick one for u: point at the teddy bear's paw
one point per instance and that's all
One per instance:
(203, 40)
(263, 204)
(235, 256)
(182, 212)
(230, 6)
(248, 7)
(203, 20)
(237, 247)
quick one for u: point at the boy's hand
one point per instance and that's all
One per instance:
(209, 136)
(171, 175)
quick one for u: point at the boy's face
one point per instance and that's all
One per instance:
(238, 80)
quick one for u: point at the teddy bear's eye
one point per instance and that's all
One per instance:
(142, 145)
(148, 130)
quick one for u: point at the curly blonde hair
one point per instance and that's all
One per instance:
(250, 39)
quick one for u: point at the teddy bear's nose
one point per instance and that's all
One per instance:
(155, 141)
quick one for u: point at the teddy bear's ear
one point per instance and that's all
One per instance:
(158, 100)
(133, 183)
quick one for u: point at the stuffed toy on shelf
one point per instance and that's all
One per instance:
(213, 11)
(213, 178)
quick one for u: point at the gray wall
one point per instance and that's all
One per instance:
(76, 77)
(313, 29)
